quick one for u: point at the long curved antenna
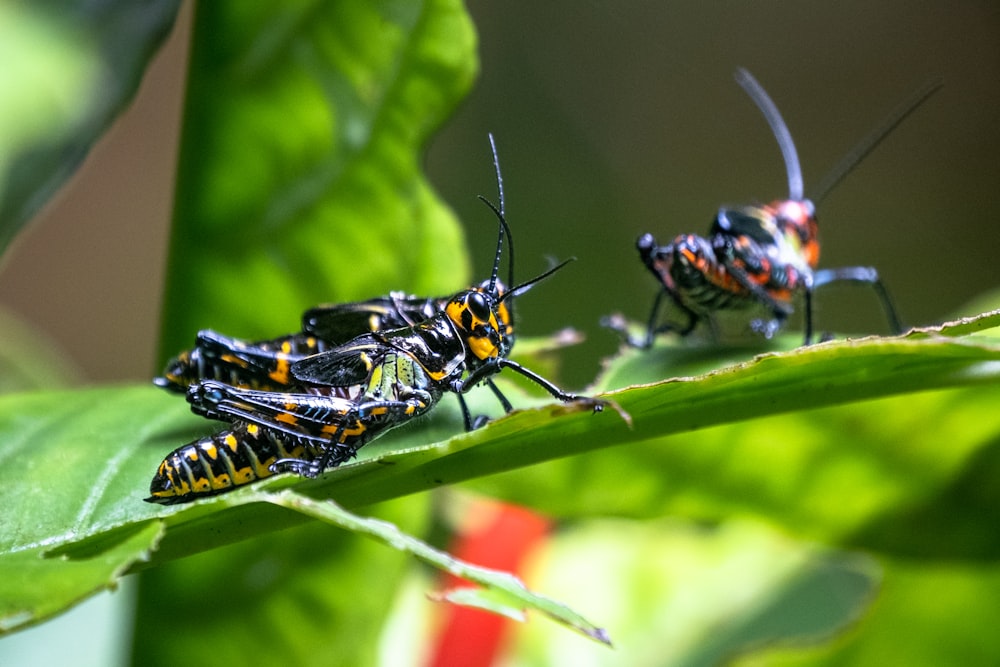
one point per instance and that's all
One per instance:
(868, 144)
(528, 284)
(780, 130)
(504, 227)
(513, 290)
(496, 166)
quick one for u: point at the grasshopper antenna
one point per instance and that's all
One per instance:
(504, 227)
(513, 290)
(869, 143)
(778, 128)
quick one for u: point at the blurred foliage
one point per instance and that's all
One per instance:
(29, 359)
(300, 179)
(846, 485)
(69, 69)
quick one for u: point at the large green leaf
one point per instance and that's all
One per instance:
(873, 473)
(300, 180)
(69, 69)
(681, 594)
(927, 615)
(299, 183)
(318, 595)
(77, 463)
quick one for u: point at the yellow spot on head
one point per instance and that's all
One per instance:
(505, 319)
(482, 347)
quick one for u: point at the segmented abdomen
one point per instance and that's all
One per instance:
(219, 462)
(261, 365)
(704, 297)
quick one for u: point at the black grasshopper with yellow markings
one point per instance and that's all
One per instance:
(342, 398)
(265, 364)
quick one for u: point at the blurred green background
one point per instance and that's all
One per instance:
(612, 119)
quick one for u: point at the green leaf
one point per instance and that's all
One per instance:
(866, 473)
(503, 591)
(681, 594)
(926, 615)
(300, 178)
(37, 582)
(317, 595)
(69, 69)
(77, 464)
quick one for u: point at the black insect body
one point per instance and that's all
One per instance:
(265, 364)
(759, 255)
(339, 399)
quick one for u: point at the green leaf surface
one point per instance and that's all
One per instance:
(679, 594)
(926, 615)
(503, 591)
(300, 179)
(38, 582)
(69, 69)
(310, 595)
(868, 472)
(78, 462)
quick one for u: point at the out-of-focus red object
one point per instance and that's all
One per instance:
(497, 536)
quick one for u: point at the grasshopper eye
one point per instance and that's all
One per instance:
(479, 306)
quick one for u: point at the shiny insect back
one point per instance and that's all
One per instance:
(251, 365)
(763, 255)
(264, 364)
(338, 400)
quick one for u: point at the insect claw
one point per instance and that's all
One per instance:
(617, 323)
(766, 328)
(300, 467)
